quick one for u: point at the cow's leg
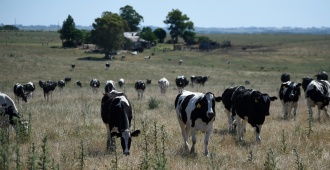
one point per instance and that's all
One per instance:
(185, 132)
(230, 121)
(194, 139)
(239, 127)
(206, 141)
(257, 129)
(285, 110)
(295, 110)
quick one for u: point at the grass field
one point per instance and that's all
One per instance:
(76, 136)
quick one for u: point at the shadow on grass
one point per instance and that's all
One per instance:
(89, 58)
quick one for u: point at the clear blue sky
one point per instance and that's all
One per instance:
(203, 13)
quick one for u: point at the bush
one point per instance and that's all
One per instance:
(153, 103)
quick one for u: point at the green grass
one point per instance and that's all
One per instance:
(72, 123)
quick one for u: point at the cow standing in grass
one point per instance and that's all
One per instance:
(196, 111)
(116, 113)
(29, 88)
(181, 82)
(163, 85)
(48, 88)
(109, 86)
(289, 95)
(19, 91)
(95, 84)
(140, 87)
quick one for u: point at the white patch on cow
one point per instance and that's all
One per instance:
(316, 84)
(122, 99)
(209, 97)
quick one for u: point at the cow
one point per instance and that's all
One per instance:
(227, 102)
(8, 111)
(289, 94)
(107, 66)
(19, 91)
(181, 82)
(116, 113)
(285, 77)
(61, 84)
(251, 106)
(322, 76)
(29, 88)
(196, 111)
(79, 84)
(109, 86)
(41, 83)
(163, 85)
(198, 80)
(317, 93)
(95, 84)
(121, 82)
(140, 87)
(148, 81)
(72, 66)
(67, 79)
(48, 88)
(180, 62)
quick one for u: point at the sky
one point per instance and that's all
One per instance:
(203, 13)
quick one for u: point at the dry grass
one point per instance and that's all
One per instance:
(73, 115)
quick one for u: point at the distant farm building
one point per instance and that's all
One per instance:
(136, 43)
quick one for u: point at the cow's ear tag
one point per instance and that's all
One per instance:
(256, 100)
(198, 105)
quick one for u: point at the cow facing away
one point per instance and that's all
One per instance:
(121, 82)
(48, 88)
(227, 96)
(322, 75)
(116, 113)
(181, 82)
(19, 91)
(317, 94)
(198, 80)
(196, 111)
(163, 85)
(29, 88)
(8, 111)
(79, 84)
(250, 106)
(61, 84)
(95, 84)
(109, 86)
(140, 87)
(289, 95)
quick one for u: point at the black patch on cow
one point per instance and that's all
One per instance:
(227, 96)
(183, 105)
(201, 107)
(181, 81)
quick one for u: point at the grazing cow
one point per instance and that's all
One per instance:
(140, 87)
(181, 82)
(29, 88)
(196, 111)
(198, 80)
(95, 84)
(285, 77)
(251, 106)
(148, 81)
(67, 79)
(72, 67)
(322, 75)
(19, 91)
(107, 66)
(317, 93)
(109, 86)
(163, 85)
(8, 111)
(121, 82)
(289, 95)
(147, 57)
(48, 88)
(116, 113)
(180, 62)
(79, 84)
(227, 96)
(61, 84)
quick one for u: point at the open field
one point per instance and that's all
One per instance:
(72, 122)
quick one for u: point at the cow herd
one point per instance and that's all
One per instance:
(195, 111)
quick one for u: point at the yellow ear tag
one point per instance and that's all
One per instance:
(198, 105)
(256, 100)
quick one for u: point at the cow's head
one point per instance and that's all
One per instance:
(291, 89)
(126, 138)
(207, 103)
(305, 82)
(262, 102)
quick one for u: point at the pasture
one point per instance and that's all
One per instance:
(76, 136)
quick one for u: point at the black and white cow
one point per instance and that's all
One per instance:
(79, 84)
(121, 82)
(181, 82)
(148, 81)
(95, 84)
(19, 91)
(116, 113)
(317, 93)
(48, 88)
(109, 86)
(289, 95)
(67, 79)
(250, 106)
(107, 66)
(8, 111)
(196, 111)
(72, 66)
(61, 84)
(140, 86)
(29, 88)
(227, 96)
(163, 85)
(198, 80)
(41, 83)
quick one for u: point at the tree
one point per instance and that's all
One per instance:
(132, 18)
(189, 37)
(68, 32)
(160, 34)
(9, 28)
(108, 32)
(179, 23)
(148, 35)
